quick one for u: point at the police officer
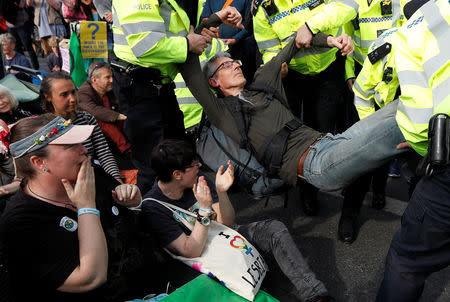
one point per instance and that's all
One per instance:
(366, 20)
(369, 19)
(150, 38)
(422, 245)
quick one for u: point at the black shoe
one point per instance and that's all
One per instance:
(378, 201)
(348, 228)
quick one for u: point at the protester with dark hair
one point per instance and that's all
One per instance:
(59, 96)
(56, 213)
(176, 165)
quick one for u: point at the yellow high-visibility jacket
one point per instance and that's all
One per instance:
(423, 69)
(277, 21)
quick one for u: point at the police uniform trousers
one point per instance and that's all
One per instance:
(422, 245)
(152, 114)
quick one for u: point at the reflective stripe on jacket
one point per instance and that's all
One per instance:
(192, 110)
(378, 82)
(423, 69)
(274, 31)
(367, 14)
(150, 33)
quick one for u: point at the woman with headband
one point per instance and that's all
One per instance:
(52, 230)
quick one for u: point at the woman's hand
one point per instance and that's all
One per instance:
(202, 193)
(127, 195)
(83, 193)
(224, 180)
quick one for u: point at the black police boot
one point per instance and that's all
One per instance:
(348, 226)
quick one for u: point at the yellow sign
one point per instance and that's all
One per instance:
(93, 39)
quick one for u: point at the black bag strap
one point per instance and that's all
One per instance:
(270, 154)
(239, 114)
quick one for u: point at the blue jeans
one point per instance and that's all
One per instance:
(272, 236)
(337, 160)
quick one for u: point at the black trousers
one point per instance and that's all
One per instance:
(152, 115)
(318, 100)
(422, 245)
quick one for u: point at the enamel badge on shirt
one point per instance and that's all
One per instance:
(68, 224)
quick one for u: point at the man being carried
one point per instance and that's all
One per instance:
(263, 123)
(176, 166)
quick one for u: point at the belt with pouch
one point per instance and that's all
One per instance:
(140, 73)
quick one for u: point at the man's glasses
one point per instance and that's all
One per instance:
(226, 65)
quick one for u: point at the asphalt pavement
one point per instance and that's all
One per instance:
(351, 272)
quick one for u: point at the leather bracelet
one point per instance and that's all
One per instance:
(88, 211)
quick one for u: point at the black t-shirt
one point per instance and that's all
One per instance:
(160, 221)
(40, 243)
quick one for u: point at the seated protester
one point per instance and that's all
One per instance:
(176, 166)
(97, 97)
(11, 110)
(283, 146)
(13, 57)
(56, 214)
(54, 60)
(59, 96)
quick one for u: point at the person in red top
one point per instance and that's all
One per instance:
(96, 97)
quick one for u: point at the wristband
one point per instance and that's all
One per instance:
(207, 211)
(88, 211)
